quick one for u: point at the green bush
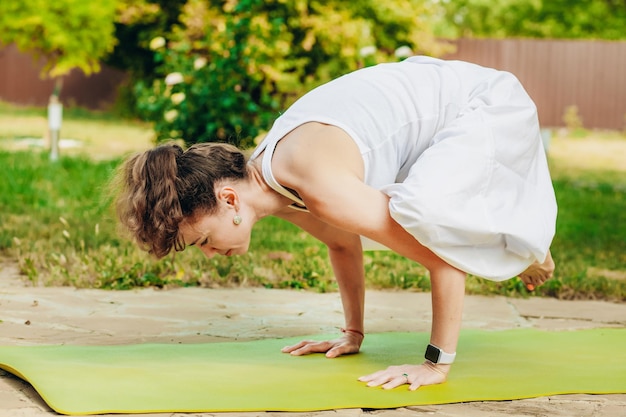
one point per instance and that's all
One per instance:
(207, 94)
(231, 67)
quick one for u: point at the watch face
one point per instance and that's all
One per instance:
(432, 353)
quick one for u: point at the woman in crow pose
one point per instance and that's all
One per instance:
(439, 161)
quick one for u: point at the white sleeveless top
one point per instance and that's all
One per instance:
(453, 145)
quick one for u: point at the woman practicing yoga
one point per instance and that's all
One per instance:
(439, 161)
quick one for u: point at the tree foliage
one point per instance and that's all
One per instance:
(67, 33)
(574, 19)
(257, 56)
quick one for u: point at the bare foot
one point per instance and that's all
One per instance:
(538, 273)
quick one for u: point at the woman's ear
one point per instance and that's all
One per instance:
(229, 196)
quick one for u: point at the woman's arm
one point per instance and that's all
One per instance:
(346, 257)
(448, 283)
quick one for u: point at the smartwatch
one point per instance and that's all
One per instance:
(437, 355)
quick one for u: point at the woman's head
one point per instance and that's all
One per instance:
(166, 185)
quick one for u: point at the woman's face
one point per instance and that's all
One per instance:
(216, 233)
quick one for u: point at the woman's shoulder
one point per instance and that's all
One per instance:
(315, 149)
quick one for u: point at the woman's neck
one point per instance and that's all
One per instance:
(263, 199)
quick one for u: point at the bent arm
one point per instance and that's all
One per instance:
(346, 256)
(360, 209)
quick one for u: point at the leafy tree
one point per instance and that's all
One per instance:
(81, 34)
(237, 64)
(590, 19)
(67, 33)
(599, 19)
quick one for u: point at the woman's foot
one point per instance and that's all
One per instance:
(538, 273)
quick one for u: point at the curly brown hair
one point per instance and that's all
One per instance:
(157, 189)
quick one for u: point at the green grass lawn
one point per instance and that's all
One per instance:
(56, 223)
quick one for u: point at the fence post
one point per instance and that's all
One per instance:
(55, 117)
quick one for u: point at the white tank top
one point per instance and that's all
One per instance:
(391, 111)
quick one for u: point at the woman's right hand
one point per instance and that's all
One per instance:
(349, 343)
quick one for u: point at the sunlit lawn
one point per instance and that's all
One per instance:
(98, 135)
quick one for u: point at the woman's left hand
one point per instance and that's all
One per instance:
(413, 375)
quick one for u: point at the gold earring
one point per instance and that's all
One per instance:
(237, 219)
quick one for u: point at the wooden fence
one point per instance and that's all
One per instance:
(21, 83)
(556, 73)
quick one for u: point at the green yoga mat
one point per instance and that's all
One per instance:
(256, 376)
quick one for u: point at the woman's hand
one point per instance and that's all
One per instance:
(414, 375)
(349, 343)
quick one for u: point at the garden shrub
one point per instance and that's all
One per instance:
(231, 67)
